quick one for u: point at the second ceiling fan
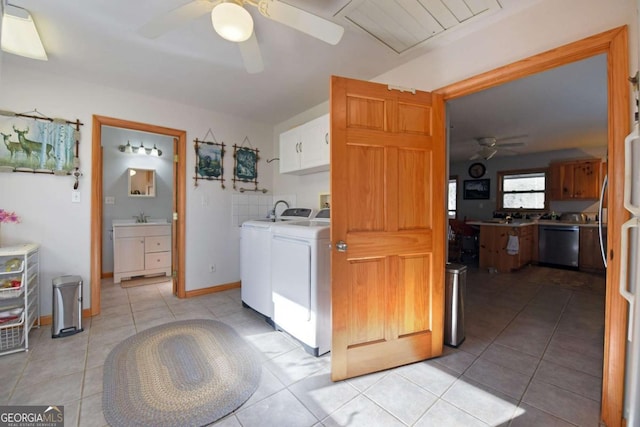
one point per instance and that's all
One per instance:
(233, 22)
(490, 145)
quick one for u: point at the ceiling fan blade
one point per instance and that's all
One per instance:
(301, 20)
(511, 144)
(251, 55)
(166, 22)
(475, 156)
(509, 138)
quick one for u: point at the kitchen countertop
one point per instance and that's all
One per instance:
(527, 222)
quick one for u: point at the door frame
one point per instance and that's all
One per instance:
(614, 43)
(96, 200)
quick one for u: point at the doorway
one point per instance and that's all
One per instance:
(614, 44)
(179, 201)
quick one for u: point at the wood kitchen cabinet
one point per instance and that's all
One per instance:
(140, 250)
(590, 257)
(305, 149)
(575, 180)
(493, 247)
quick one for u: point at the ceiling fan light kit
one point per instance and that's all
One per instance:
(232, 21)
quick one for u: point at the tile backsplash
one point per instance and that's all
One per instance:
(255, 206)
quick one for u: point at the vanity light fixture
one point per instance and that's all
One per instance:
(129, 149)
(126, 148)
(19, 34)
(155, 151)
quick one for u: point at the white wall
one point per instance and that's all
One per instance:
(546, 25)
(63, 228)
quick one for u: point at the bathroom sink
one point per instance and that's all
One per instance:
(132, 221)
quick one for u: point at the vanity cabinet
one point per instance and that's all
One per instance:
(305, 149)
(19, 296)
(575, 180)
(141, 250)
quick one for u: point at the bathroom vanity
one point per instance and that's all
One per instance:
(141, 249)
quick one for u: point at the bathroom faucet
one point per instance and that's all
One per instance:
(275, 205)
(141, 218)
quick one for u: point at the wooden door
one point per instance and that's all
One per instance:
(174, 223)
(388, 186)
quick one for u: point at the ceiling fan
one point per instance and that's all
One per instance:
(233, 22)
(489, 146)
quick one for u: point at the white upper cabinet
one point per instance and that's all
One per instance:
(305, 149)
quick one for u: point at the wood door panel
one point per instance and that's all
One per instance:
(415, 291)
(376, 357)
(380, 244)
(364, 112)
(367, 294)
(414, 177)
(415, 118)
(366, 167)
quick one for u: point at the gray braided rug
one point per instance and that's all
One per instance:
(185, 373)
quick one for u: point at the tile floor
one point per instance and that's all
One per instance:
(532, 357)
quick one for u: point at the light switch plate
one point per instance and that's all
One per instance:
(75, 196)
(110, 200)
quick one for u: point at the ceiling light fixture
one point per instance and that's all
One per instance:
(19, 34)
(232, 21)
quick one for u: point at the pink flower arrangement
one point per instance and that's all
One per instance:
(6, 217)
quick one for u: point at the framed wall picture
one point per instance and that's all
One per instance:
(209, 161)
(476, 189)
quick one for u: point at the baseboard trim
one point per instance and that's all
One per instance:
(47, 319)
(212, 289)
(106, 275)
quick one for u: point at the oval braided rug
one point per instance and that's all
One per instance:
(185, 373)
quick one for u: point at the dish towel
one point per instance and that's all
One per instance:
(513, 245)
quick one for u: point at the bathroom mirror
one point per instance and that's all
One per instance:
(142, 182)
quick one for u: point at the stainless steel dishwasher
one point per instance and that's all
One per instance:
(559, 245)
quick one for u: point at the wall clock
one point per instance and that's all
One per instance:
(477, 170)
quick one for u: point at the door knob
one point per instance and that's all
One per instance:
(341, 246)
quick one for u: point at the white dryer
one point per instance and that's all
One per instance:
(255, 260)
(301, 281)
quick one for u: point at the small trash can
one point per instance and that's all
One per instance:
(455, 290)
(67, 306)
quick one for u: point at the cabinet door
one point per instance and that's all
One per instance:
(566, 173)
(489, 246)
(586, 179)
(590, 258)
(290, 151)
(555, 181)
(129, 254)
(315, 143)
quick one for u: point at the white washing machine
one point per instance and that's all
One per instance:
(255, 260)
(301, 281)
